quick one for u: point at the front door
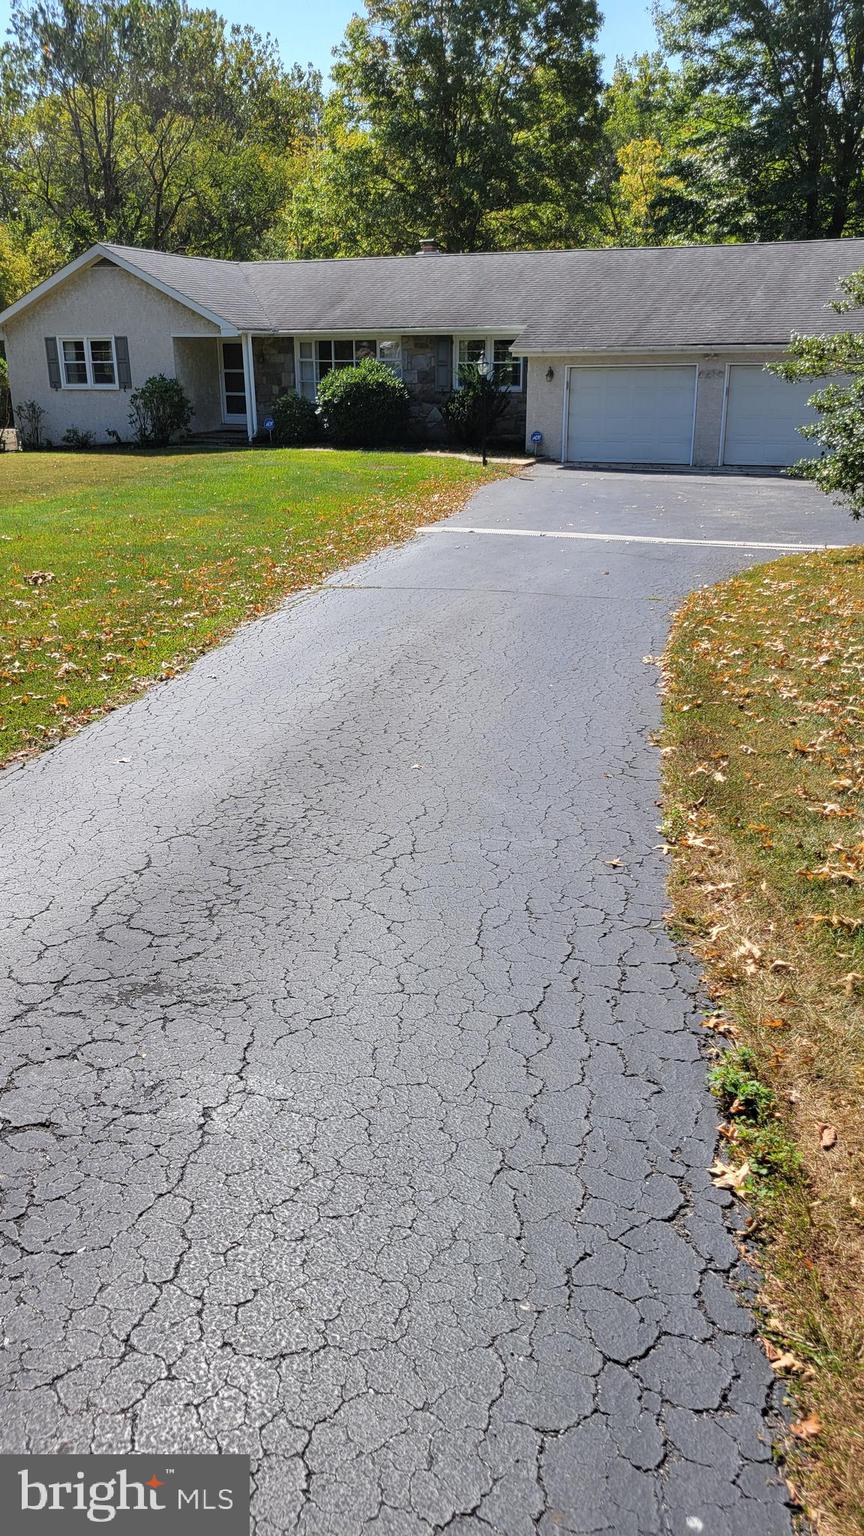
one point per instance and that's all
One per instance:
(233, 383)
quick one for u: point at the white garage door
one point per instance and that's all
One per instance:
(631, 415)
(762, 413)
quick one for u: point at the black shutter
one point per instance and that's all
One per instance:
(443, 364)
(124, 372)
(53, 361)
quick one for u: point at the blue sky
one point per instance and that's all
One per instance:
(307, 32)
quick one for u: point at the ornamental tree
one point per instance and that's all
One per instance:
(839, 430)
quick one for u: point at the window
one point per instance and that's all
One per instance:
(88, 362)
(315, 358)
(493, 352)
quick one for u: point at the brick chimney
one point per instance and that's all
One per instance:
(429, 247)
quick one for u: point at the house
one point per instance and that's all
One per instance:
(621, 355)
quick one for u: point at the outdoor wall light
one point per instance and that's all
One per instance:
(550, 374)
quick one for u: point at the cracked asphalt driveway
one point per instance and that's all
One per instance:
(353, 1112)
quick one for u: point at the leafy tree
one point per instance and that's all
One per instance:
(475, 120)
(840, 405)
(793, 72)
(145, 121)
(27, 259)
(664, 168)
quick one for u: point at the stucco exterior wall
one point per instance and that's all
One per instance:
(545, 412)
(196, 365)
(98, 301)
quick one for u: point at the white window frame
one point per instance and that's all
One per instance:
(489, 354)
(88, 362)
(315, 341)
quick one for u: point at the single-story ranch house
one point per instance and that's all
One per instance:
(633, 356)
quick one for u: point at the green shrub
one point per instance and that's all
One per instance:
(365, 406)
(735, 1080)
(473, 409)
(160, 410)
(73, 437)
(295, 421)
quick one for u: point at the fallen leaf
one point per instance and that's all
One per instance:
(784, 1362)
(806, 1429)
(827, 1136)
(774, 1024)
(727, 1177)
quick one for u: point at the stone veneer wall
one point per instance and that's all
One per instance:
(273, 357)
(427, 368)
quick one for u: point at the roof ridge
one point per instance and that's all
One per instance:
(255, 264)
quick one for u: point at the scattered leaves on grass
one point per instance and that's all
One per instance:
(776, 658)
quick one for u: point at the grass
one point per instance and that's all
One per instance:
(764, 807)
(118, 569)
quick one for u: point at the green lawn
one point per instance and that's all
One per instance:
(764, 799)
(116, 569)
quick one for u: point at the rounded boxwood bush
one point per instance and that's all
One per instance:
(295, 421)
(364, 406)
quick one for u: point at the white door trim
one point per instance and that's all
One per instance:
(721, 452)
(249, 378)
(596, 367)
(232, 421)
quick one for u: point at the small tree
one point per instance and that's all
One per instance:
(159, 411)
(473, 409)
(364, 406)
(839, 471)
(29, 416)
(5, 397)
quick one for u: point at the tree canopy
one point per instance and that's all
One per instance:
(484, 123)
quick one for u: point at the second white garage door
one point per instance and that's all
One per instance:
(762, 413)
(631, 415)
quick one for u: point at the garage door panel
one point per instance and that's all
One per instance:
(762, 414)
(631, 415)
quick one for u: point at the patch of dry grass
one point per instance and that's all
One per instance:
(118, 569)
(764, 796)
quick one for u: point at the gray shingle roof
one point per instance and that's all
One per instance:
(612, 299)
